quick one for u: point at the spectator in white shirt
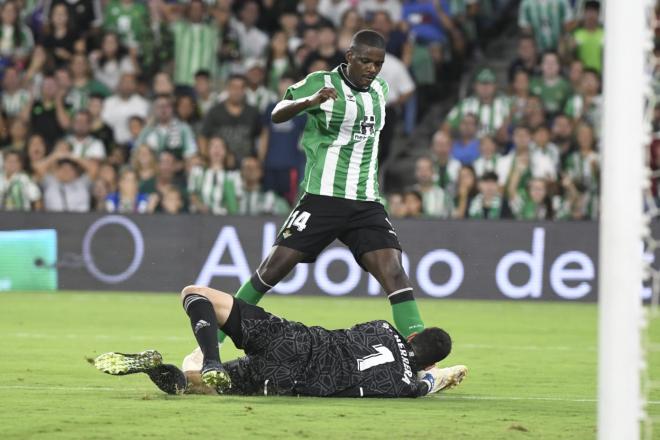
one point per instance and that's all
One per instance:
(83, 145)
(445, 166)
(68, 188)
(436, 202)
(524, 162)
(253, 41)
(490, 160)
(118, 108)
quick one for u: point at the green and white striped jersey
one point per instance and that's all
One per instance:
(584, 169)
(176, 137)
(216, 189)
(490, 116)
(341, 136)
(436, 202)
(18, 192)
(547, 19)
(260, 202)
(195, 48)
(13, 103)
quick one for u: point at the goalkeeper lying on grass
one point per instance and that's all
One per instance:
(289, 358)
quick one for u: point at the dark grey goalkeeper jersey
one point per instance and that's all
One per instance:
(288, 358)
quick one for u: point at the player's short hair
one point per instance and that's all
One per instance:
(370, 38)
(431, 345)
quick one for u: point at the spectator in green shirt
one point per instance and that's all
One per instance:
(213, 189)
(546, 20)
(587, 103)
(253, 199)
(551, 87)
(589, 39)
(82, 84)
(196, 42)
(129, 19)
(167, 132)
(532, 202)
(490, 109)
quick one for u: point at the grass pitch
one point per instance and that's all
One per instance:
(532, 373)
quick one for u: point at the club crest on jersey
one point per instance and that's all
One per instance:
(366, 128)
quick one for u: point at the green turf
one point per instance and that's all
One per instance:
(532, 373)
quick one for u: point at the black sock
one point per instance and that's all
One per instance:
(204, 324)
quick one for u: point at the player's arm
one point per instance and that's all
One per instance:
(288, 108)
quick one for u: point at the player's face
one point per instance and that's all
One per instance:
(364, 64)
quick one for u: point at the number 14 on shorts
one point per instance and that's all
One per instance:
(298, 220)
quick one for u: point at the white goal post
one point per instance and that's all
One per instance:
(624, 138)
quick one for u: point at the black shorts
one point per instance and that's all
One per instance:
(257, 332)
(276, 349)
(317, 221)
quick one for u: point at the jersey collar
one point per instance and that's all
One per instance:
(344, 75)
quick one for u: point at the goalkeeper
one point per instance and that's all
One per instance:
(288, 358)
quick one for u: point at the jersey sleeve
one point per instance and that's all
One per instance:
(385, 87)
(306, 87)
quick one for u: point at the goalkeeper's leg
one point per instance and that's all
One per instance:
(208, 309)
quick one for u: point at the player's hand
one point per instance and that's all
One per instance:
(322, 95)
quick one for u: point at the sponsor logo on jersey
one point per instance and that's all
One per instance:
(366, 128)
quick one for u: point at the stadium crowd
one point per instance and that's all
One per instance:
(162, 106)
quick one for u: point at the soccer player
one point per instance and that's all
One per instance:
(288, 358)
(345, 114)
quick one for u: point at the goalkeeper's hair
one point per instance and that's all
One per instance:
(431, 345)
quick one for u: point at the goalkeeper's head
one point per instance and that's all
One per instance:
(430, 346)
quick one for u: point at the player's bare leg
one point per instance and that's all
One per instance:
(385, 265)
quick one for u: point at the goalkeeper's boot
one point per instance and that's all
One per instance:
(215, 376)
(119, 364)
(450, 377)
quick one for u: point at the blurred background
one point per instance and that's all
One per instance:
(156, 108)
(160, 106)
